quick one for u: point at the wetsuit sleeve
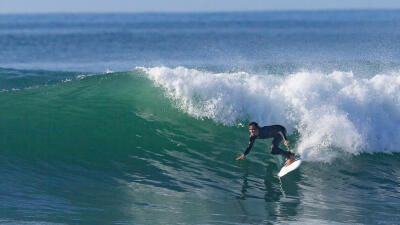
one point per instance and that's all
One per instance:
(251, 142)
(283, 134)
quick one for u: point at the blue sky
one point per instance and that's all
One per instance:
(53, 6)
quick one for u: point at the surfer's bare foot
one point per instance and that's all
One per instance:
(290, 160)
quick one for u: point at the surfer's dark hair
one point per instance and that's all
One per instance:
(253, 123)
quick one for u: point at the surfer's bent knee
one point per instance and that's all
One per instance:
(275, 150)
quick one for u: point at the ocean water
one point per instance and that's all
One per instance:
(138, 118)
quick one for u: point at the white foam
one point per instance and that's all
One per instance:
(108, 71)
(332, 112)
(66, 80)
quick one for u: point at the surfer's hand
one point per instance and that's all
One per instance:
(240, 157)
(287, 143)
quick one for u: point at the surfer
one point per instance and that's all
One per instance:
(277, 132)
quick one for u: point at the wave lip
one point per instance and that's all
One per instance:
(332, 112)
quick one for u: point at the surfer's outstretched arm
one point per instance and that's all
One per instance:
(251, 142)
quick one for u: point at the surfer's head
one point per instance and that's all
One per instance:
(253, 128)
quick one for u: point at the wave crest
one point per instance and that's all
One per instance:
(332, 112)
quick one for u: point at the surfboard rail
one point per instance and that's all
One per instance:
(287, 169)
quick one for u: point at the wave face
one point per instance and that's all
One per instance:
(330, 112)
(142, 145)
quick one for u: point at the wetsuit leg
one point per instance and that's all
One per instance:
(275, 150)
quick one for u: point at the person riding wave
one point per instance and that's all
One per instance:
(277, 132)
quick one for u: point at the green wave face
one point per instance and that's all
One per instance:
(112, 148)
(97, 117)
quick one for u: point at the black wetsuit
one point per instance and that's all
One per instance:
(277, 132)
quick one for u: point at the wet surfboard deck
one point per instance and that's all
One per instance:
(287, 169)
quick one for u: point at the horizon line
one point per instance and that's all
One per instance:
(201, 11)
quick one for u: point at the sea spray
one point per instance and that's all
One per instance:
(333, 113)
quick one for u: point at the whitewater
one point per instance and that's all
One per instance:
(331, 112)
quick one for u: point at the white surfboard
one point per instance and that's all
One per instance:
(287, 169)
